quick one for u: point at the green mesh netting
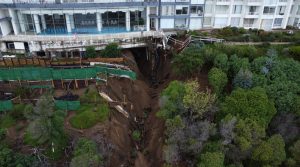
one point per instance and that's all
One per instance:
(40, 73)
(6, 105)
(67, 105)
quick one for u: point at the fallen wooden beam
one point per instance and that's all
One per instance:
(119, 108)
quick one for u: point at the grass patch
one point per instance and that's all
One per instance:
(7, 121)
(89, 115)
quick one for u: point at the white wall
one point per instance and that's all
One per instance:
(167, 23)
(197, 1)
(195, 23)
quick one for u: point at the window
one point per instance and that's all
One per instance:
(197, 10)
(181, 10)
(167, 10)
(237, 9)
(278, 22)
(281, 10)
(10, 45)
(269, 10)
(298, 11)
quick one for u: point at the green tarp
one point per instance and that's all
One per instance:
(67, 105)
(6, 105)
(40, 73)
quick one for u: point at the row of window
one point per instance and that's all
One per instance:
(235, 22)
(170, 10)
(237, 9)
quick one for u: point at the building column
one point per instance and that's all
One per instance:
(37, 23)
(148, 18)
(21, 21)
(99, 21)
(72, 21)
(68, 23)
(14, 21)
(128, 20)
(44, 26)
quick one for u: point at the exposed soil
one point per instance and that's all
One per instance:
(142, 104)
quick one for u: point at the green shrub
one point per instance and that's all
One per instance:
(111, 50)
(188, 62)
(2, 134)
(89, 115)
(91, 52)
(217, 79)
(136, 135)
(221, 61)
(91, 96)
(19, 110)
(7, 121)
(294, 52)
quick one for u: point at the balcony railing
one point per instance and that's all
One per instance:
(253, 13)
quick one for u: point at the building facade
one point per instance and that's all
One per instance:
(39, 25)
(260, 14)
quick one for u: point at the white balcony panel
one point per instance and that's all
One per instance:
(167, 23)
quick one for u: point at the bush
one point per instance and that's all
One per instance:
(188, 62)
(91, 52)
(294, 52)
(111, 50)
(136, 135)
(7, 121)
(221, 61)
(217, 79)
(89, 115)
(243, 79)
(19, 110)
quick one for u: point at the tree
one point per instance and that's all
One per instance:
(188, 62)
(248, 133)
(91, 52)
(197, 102)
(236, 64)
(227, 126)
(9, 158)
(270, 152)
(217, 79)
(285, 94)
(111, 50)
(211, 159)
(47, 126)
(171, 100)
(243, 79)
(252, 104)
(295, 151)
(85, 154)
(221, 62)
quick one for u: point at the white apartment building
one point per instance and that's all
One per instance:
(260, 14)
(294, 19)
(52, 26)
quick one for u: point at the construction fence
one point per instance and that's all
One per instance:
(6, 105)
(67, 105)
(46, 74)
